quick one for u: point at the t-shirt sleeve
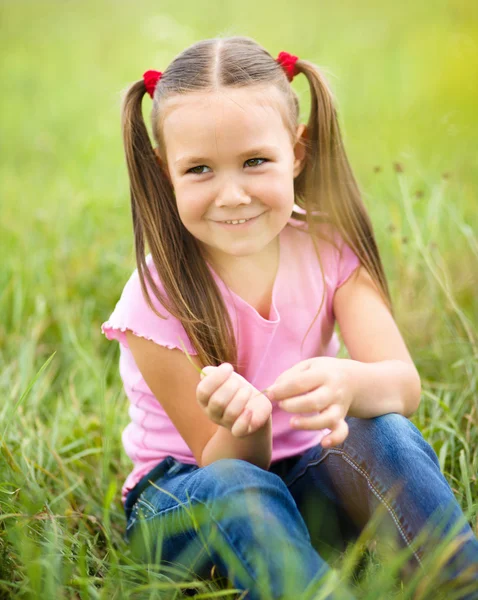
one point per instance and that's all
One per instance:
(340, 262)
(132, 312)
(348, 262)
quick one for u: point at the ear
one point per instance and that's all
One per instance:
(300, 149)
(162, 164)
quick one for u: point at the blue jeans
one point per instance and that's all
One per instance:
(275, 532)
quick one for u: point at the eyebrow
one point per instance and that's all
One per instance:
(256, 151)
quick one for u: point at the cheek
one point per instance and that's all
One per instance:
(277, 189)
(191, 202)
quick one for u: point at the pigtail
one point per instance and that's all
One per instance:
(327, 185)
(146, 181)
(192, 295)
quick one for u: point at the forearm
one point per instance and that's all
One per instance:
(255, 448)
(383, 387)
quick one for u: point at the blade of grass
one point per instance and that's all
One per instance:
(26, 392)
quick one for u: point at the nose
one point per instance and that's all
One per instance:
(231, 193)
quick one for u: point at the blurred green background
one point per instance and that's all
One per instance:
(404, 77)
(405, 80)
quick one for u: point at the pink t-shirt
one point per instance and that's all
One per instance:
(266, 347)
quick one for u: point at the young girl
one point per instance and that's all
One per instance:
(277, 451)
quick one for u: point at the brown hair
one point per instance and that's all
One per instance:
(326, 188)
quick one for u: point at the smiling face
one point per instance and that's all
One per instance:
(230, 156)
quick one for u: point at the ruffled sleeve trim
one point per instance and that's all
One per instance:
(133, 313)
(117, 332)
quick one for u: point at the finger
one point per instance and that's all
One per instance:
(300, 367)
(261, 412)
(215, 377)
(236, 405)
(314, 401)
(291, 373)
(211, 369)
(328, 418)
(220, 399)
(338, 435)
(241, 426)
(296, 384)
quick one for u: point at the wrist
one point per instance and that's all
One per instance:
(255, 448)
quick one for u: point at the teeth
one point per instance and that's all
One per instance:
(236, 222)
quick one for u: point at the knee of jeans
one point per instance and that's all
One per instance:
(237, 489)
(394, 436)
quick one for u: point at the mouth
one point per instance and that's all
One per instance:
(238, 223)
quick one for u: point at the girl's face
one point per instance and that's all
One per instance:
(229, 157)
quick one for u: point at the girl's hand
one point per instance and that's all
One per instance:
(320, 386)
(231, 401)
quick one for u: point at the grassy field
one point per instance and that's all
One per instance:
(404, 76)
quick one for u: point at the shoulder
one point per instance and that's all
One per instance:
(134, 313)
(324, 230)
(133, 299)
(336, 257)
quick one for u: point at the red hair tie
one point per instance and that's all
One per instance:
(151, 78)
(287, 62)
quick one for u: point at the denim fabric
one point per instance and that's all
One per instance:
(275, 532)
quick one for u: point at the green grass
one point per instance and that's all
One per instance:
(404, 77)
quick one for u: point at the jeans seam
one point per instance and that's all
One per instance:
(312, 463)
(135, 508)
(148, 504)
(153, 509)
(375, 491)
(160, 513)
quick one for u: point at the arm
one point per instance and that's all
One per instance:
(256, 448)
(383, 387)
(173, 381)
(382, 371)
(379, 378)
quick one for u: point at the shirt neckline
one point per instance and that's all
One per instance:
(274, 316)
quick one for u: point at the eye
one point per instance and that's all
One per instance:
(198, 170)
(194, 172)
(264, 160)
